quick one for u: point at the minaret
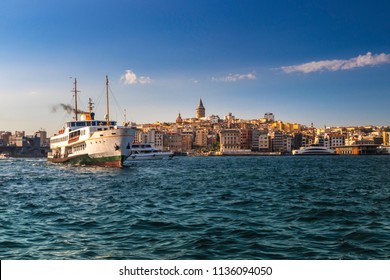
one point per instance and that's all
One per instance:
(179, 119)
(200, 110)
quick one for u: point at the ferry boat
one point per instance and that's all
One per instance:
(147, 151)
(314, 151)
(91, 142)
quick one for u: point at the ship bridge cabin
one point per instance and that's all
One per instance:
(77, 124)
(88, 119)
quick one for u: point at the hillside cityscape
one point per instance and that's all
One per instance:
(212, 135)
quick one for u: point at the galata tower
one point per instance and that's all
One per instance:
(200, 110)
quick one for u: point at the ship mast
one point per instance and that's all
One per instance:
(90, 105)
(107, 104)
(75, 98)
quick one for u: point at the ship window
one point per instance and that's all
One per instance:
(72, 124)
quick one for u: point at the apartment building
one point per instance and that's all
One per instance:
(230, 139)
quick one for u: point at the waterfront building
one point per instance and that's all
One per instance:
(16, 138)
(307, 141)
(172, 142)
(281, 142)
(154, 137)
(245, 138)
(287, 143)
(212, 138)
(336, 140)
(358, 149)
(296, 141)
(277, 141)
(264, 142)
(364, 141)
(200, 110)
(378, 140)
(201, 137)
(386, 138)
(140, 136)
(158, 140)
(320, 140)
(5, 136)
(20, 141)
(255, 139)
(230, 139)
(150, 136)
(186, 141)
(42, 135)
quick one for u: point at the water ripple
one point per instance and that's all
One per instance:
(197, 208)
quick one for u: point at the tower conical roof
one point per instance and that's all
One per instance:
(200, 105)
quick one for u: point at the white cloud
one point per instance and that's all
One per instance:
(235, 77)
(339, 64)
(130, 78)
(144, 80)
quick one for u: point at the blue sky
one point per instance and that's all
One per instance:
(326, 62)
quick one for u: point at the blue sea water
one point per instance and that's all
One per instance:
(197, 208)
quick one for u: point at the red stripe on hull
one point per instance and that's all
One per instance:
(117, 163)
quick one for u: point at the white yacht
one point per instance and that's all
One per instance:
(313, 151)
(147, 151)
(383, 150)
(91, 142)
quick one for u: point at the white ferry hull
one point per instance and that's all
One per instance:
(104, 148)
